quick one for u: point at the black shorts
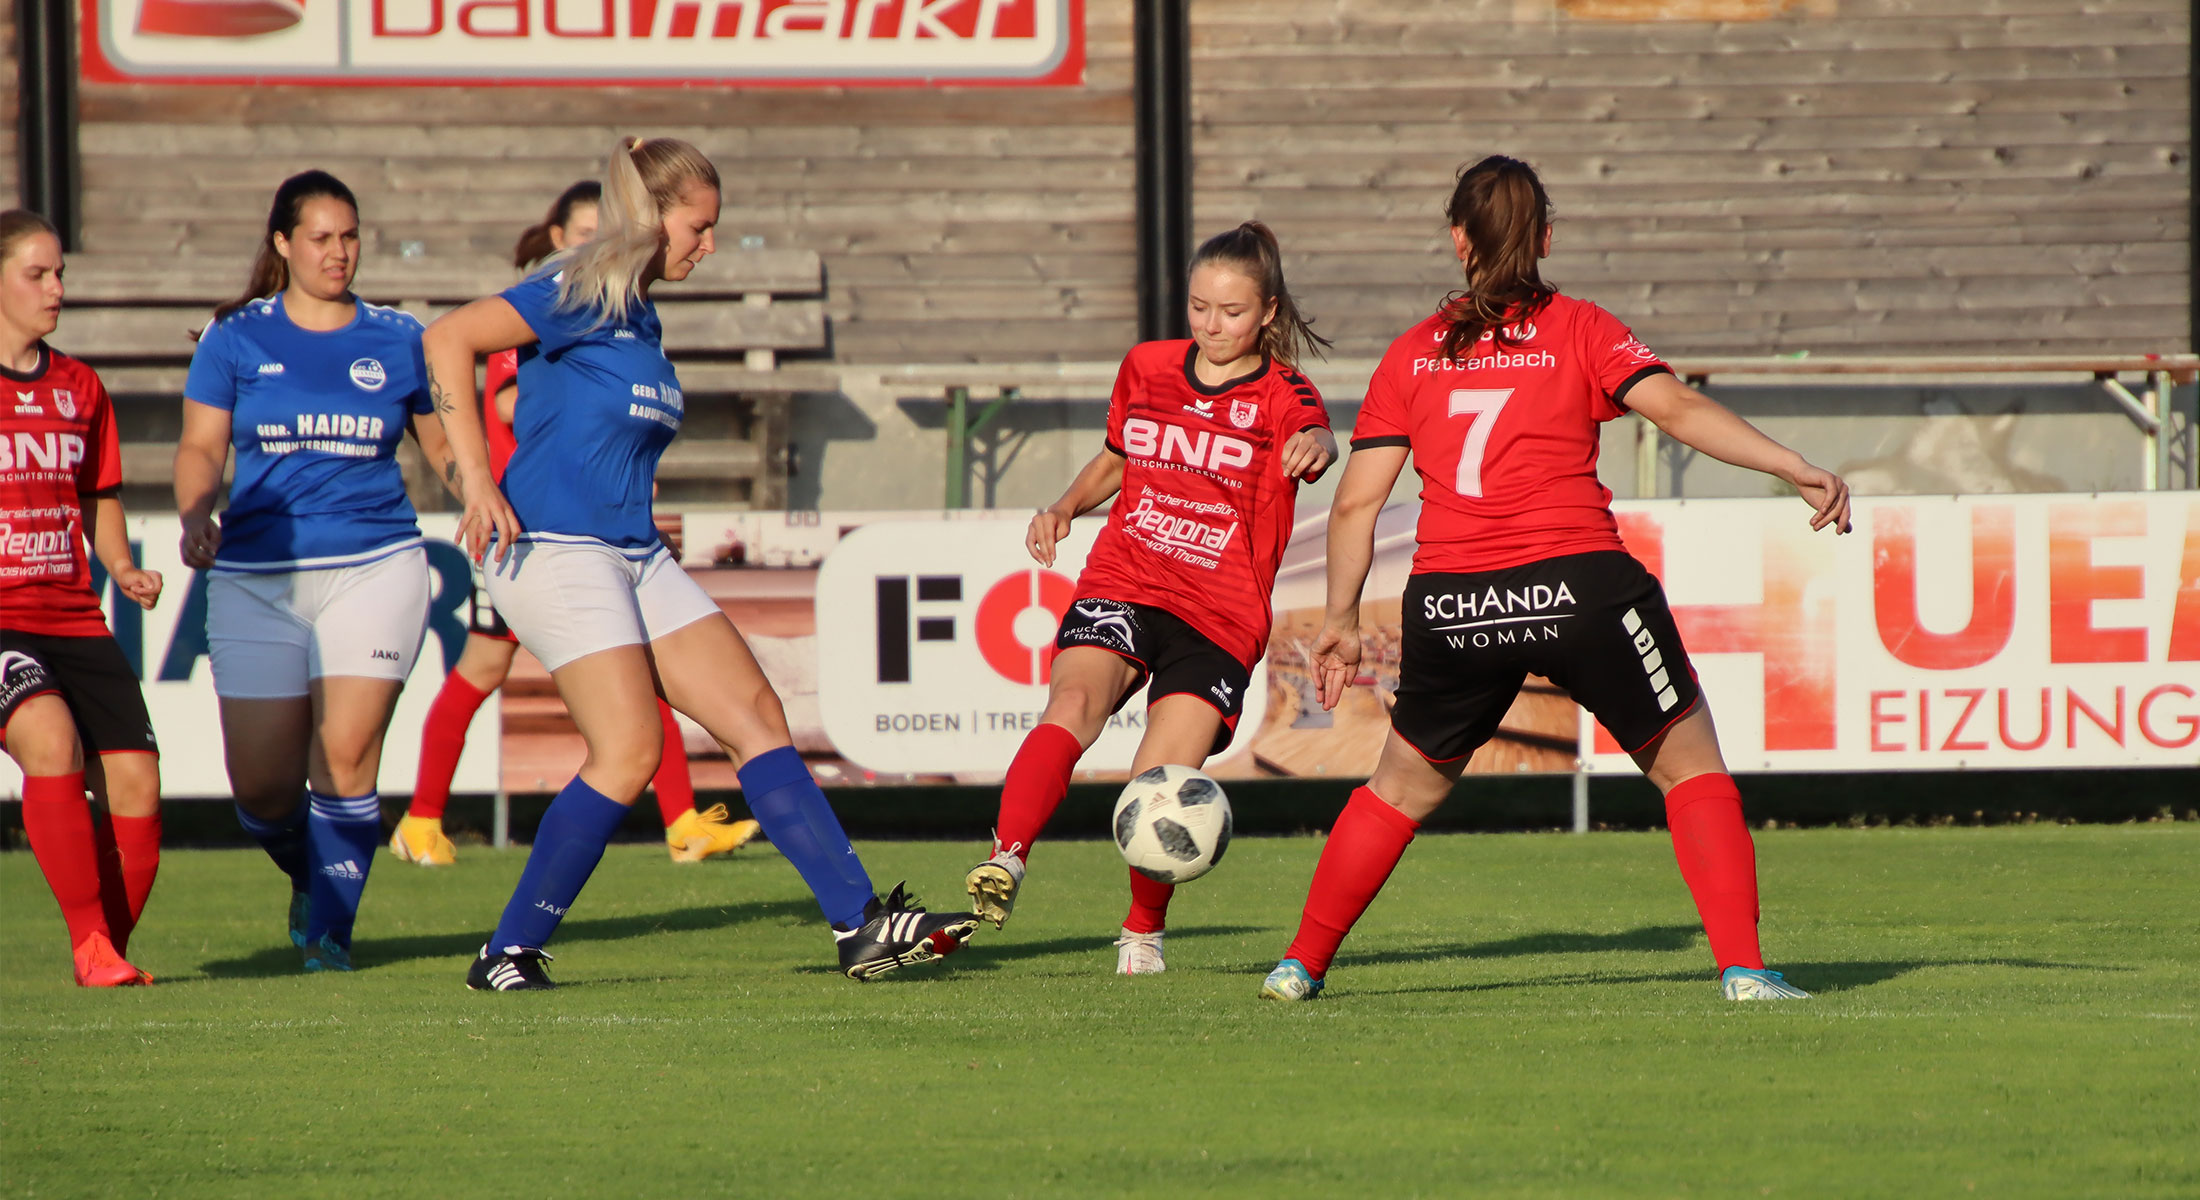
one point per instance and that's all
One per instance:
(1594, 624)
(90, 675)
(482, 617)
(1174, 657)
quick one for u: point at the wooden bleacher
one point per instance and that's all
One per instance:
(132, 316)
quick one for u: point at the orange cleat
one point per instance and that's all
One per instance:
(97, 965)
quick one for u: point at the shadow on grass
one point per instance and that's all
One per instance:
(371, 952)
(984, 952)
(1650, 938)
(1819, 978)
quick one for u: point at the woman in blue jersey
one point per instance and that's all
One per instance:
(578, 573)
(318, 598)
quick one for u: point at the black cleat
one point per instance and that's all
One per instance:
(897, 933)
(517, 969)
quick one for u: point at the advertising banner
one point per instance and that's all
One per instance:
(664, 42)
(168, 647)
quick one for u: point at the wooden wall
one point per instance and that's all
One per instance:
(11, 168)
(1730, 176)
(982, 223)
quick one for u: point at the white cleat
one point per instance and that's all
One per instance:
(992, 885)
(1744, 983)
(1139, 954)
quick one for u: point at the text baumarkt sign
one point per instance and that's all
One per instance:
(437, 42)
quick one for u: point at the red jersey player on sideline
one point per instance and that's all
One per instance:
(1520, 570)
(65, 685)
(1207, 440)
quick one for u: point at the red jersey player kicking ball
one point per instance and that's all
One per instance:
(1208, 439)
(71, 713)
(1519, 569)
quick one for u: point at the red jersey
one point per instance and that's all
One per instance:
(1200, 524)
(57, 446)
(1506, 441)
(503, 373)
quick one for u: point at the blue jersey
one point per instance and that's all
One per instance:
(601, 404)
(314, 419)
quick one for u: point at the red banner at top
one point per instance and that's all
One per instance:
(537, 42)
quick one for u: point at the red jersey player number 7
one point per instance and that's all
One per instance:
(1207, 441)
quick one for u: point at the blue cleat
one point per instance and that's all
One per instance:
(1743, 983)
(326, 955)
(1290, 981)
(301, 909)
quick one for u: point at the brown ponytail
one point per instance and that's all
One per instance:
(1252, 250)
(1502, 208)
(270, 273)
(535, 245)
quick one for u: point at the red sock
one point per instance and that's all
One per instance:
(1719, 864)
(675, 786)
(1149, 904)
(114, 897)
(1363, 848)
(58, 820)
(138, 839)
(442, 740)
(1038, 778)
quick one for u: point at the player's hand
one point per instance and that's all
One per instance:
(488, 514)
(139, 584)
(1336, 663)
(202, 539)
(1047, 528)
(1307, 453)
(1828, 493)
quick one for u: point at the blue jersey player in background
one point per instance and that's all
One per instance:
(579, 574)
(318, 598)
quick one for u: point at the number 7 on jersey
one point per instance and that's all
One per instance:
(1482, 404)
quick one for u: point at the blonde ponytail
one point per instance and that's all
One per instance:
(644, 178)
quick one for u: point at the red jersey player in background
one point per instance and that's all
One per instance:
(1519, 569)
(1207, 441)
(65, 685)
(486, 662)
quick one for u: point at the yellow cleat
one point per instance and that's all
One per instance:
(421, 840)
(707, 834)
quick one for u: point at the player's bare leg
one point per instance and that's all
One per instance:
(1085, 684)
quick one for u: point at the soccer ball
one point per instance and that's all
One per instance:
(1172, 824)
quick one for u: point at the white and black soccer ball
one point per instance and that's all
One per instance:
(1172, 824)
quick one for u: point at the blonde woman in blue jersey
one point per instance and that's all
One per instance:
(577, 570)
(318, 598)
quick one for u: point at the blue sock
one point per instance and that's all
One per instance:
(284, 839)
(341, 834)
(797, 818)
(568, 845)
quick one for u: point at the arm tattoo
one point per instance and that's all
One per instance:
(442, 399)
(451, 479)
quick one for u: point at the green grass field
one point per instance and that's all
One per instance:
(2000, 1012)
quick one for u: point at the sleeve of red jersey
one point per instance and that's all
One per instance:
(1382, 419)
(1616, 358)
(1302, 409)
(102, 470)
(1119, 403)
(502, 372)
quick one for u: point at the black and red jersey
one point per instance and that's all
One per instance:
(1200, 524)
(58, 446)
(1505, 439)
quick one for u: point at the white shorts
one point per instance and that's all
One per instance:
(269, 635)
(567, 600)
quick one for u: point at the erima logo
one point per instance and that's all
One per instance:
(369, 375)
(26, 402)
(271, 368)
(1653, 660)
(1201, 408)
(1222, 690)
(347, 869)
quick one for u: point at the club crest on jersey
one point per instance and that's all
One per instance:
(368, 374)
(64, 402)
(1244, 412)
